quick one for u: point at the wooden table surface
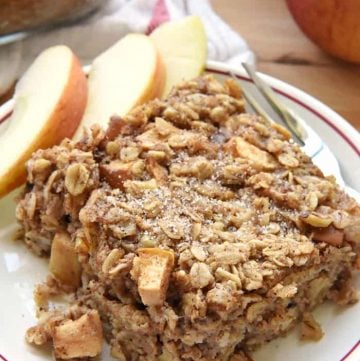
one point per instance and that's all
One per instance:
(283, 51)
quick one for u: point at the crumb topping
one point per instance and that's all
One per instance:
(241, 209)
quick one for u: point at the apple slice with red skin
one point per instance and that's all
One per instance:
(129, 73)
(50, 99)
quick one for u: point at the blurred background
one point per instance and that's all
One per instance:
(282, 50)
(270, 36)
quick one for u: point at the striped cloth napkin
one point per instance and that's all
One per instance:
(116, 18)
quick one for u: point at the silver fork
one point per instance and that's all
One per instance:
(304, 135)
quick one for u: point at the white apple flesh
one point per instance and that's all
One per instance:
(127, 74)
(183, 47)
(50, 100)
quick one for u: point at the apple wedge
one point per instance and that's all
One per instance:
(3, 126)
(50, 100)
(127, 74)
(183, 47)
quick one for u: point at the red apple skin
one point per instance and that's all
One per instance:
(334, 25)
(62, 123)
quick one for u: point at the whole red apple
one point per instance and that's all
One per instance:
(334, 25)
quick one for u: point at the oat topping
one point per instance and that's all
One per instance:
(200, 231)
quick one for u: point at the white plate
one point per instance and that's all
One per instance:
(20, 270)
